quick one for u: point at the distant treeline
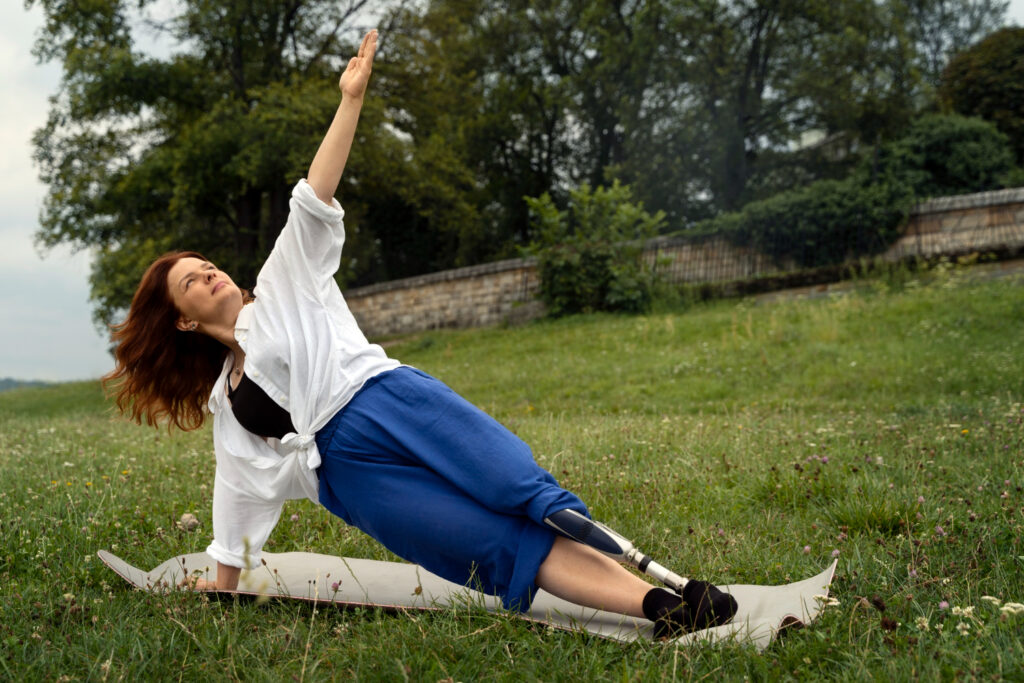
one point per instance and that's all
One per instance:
(7, 383)
(700, 107)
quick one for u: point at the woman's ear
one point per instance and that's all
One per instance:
(185, 325)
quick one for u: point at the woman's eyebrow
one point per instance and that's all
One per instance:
(188, 275)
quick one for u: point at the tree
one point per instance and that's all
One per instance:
(942, 28)
(987, 80)
(535, 96)
(199, 149)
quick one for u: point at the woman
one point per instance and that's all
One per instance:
(305, 407)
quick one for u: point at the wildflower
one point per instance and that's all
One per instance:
(835, 553)
(991, 599)
(824, 460)
(69, 597)
(922, 623)
(965, 432)
(939, 531)
(807, 549)
(294, 517)
(963, 611)
(1013, 608)
(335, 586)
(943, 605)
(826, 601)
(913, 573)
(188, 522)
(963, 627)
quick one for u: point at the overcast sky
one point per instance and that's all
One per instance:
(45, 315)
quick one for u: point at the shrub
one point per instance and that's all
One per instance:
(945, 154)
(590, 255)
(820, 224)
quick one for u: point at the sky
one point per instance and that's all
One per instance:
(45, 314)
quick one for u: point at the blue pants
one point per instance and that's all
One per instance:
(440, 483)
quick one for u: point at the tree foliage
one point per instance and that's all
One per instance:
(941, 29)
(699, 106)
(829, 221)
(198, 149)
(942, 155)
(987, 80)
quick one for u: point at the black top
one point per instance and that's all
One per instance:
(257, 412)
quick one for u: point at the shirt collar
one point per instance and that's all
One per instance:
(244, 319)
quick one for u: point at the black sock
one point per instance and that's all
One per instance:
(671, 616)
(708, 605)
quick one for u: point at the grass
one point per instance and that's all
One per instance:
(738, 441)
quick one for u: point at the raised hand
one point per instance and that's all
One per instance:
(357, 74)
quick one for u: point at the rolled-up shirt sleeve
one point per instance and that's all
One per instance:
(241, 525)
(307, 252)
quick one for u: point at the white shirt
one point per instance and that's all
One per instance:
(304, 349)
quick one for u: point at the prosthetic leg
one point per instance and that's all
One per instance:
(702, 605)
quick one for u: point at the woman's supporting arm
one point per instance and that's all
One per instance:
(227, 580)
(329, 162)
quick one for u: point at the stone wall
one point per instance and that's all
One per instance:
(683, 261)
(477, 296)
(505, 291)
(987, 221)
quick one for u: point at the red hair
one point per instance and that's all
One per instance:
(161, 371)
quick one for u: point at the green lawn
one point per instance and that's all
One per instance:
(736, 441)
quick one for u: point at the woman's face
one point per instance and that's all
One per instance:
(203, 294)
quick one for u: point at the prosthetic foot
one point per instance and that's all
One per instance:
(701, 606)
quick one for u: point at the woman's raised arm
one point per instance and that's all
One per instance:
(329, 162)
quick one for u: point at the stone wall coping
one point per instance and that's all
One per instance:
(978, 200)
(442, 276)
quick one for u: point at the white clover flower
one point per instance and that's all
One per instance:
(963, 611)
(1013, 608)
(826, 601)
(922, 623)
(963, 627)
(992, 599)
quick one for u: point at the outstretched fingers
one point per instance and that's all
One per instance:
(357, 72)
(369, 45)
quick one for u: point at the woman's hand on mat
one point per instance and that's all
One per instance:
(227, 580)
(197, 583)
(357, 74)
